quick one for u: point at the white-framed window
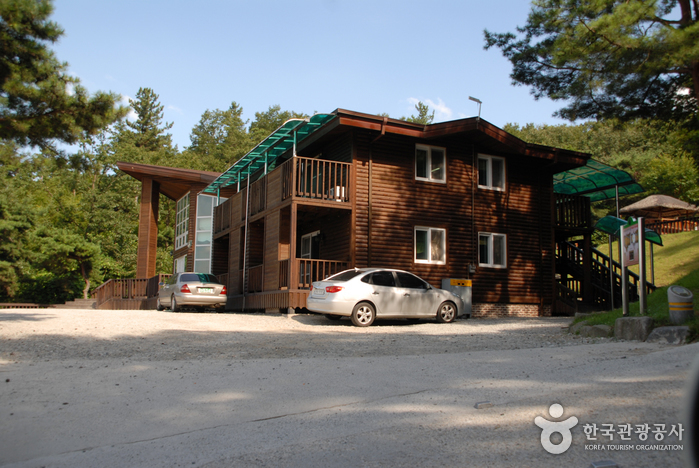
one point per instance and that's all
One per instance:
(180, 264)
(430, 163)
(491, 172)
(182, 222)
(492, 250)
(205, 225)
(430, 245)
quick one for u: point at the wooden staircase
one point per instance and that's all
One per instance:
(574, 295)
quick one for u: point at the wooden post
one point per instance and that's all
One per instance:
(293, 269)
(148, 229)
(587, 269)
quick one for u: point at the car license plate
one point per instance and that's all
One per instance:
(318, 292)
(206, 290)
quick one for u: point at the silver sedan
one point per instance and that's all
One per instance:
(191, 289)
(367, 294)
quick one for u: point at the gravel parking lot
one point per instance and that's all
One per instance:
(147, 388)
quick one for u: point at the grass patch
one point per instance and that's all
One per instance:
(677, 258)
(658, 307)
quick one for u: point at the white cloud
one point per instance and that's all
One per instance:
(132, 114)
(175, 109)
(441, 111)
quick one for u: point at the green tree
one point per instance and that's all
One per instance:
(148, 130)
(39, 102)
(608, 58)
(267, 122)
(218, 140)
(423, 115)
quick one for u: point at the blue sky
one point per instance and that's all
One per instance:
(307, 56)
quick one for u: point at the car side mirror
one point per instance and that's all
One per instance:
(161, 284)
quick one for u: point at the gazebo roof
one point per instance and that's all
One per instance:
(660, 206)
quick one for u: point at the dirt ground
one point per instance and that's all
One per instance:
(148, 388)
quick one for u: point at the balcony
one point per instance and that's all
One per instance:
(315, 180)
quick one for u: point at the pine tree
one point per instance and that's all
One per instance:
(609, 58)
(39, 101)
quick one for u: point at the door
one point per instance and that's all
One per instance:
(416, 296)
(384, 293)
(310, 249)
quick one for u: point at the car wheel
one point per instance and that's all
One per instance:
(173, 304)
(333, 317)
(159, 305)
(363, 314)
(446, 312)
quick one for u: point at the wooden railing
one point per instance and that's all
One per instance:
(673, 227)
(222, 216)
(573, 254)
(284, 274)
(132, 288)
(255, 278)
(317, 179)
(317, 270)
(573, 211)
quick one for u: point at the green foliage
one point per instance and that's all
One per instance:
(423, 115)
(608, 58)
(652, 151)
(39, 101)
(218, 140)
(267, 122)
(677, 177)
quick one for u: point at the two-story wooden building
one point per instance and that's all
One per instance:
(459, 199)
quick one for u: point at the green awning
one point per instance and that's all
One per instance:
(595, 180)
(612, 224)
(266, 153)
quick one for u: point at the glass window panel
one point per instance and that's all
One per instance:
(482, 172)
(201, 266)
(204, 224)
(483, 242)
(205, 205)
(437, 246)
(203, 238)
(421, 163)
(499, 250)
(498, 173)
(437, 164)
(421, 245)
(202, 253)
(383, 278)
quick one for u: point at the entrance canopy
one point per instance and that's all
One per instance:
(595, 180)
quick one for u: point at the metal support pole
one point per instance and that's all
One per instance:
(624, 279)
(642, 265)
(611, 274)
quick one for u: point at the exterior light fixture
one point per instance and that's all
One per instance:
(477, 101)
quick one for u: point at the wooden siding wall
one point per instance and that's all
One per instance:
(399, 203)
(271, 273)
(234, 262)
(335, 229)
(219, 257)
(256, 243)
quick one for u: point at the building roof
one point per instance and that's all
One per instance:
(174, 182)
(300, 132)
(660, 206)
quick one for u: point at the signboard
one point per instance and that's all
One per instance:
(631, 244)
